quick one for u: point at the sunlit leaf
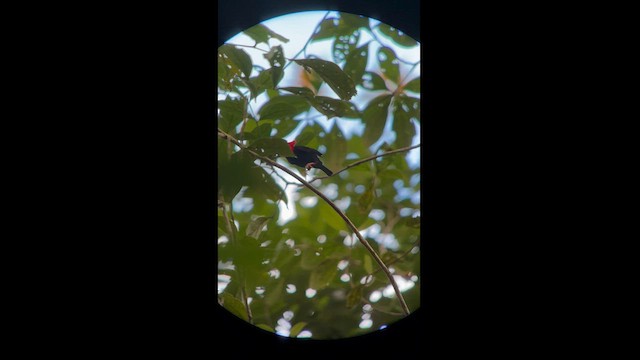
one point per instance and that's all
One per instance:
(375, 118)
(389, 64)
(283, 107)
(331, 73)
(353, 21)
(397, 36)
(238, 57)
(262, 34)
(235, 306)
(297, 328)
(323, 274)
(413, 85)
(256, 226)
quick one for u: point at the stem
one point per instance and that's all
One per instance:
(246, 305)
(367, 159)
(364, 243)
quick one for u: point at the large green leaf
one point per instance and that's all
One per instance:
(375, 118)
(333, 107)
(238, 57)
(352, 21)
(397, 36)
(331, 217)
(283, 107)
(234, 173)
(262, 34)
(302, 91)
(356, 63)
(331, 73)
(389, 64)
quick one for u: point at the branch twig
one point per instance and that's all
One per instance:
(365, 160)
(367, 246)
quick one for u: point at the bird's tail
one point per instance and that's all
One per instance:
(324, 168)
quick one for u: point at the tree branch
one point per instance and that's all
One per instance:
(365, 160)
(367, 246)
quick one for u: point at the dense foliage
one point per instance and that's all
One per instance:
(309, 275)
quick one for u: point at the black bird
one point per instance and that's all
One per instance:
(307, 158)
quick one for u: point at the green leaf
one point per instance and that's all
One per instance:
(284, 126)
(222, 225)
(389, 64)
(252, 132)
(231, 111)
(356, 63)
(309, 260)
(331, 73)
(344, 44)
(393, 174)
(323, 274)
(413, 85)
(365, 202)
(353, 21)
(305, 137)
(233, 173)
(375, 118)
(262, 34)
(256, 225)
(277, 61)
(266, 327)
(397, 36)
(302, 91)
(234, 306)
(238, 57)
(333, 107)
(354, 296)
(372, 81)
(330, 216)
(368, 264)
(271, 147)
(336, 149)
(262, 184)
(413, 222)
(283, 107)
(327, 29)
(297, 328)
(405, 130)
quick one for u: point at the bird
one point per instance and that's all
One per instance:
(306, 157)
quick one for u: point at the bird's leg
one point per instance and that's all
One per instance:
(309, 165)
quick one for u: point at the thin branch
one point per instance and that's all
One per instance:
(367, 159)
(364, 243)
(248, 46)
(304, 48)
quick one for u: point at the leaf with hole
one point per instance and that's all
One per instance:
(238, 57)
(375, 118)
(331, 73)
(256, 226)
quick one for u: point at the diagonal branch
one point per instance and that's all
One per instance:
(365, 160)
(367, 246)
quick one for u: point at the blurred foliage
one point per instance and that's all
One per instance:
(268, 264)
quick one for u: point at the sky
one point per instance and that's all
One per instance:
(298, 27)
